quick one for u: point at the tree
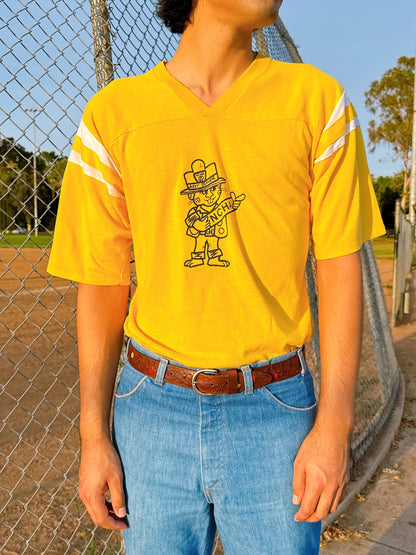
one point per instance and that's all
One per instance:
(16, 185)
(391, 100)
(387, 190)
(52, 167)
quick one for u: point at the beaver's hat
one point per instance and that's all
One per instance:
(201, 177)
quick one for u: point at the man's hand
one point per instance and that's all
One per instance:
(321, 471)
(100, 471)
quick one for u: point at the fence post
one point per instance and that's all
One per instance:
(261, 42)
(288, 41)
(395, 293)
(102, 43)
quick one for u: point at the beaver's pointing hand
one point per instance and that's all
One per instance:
(237, 200)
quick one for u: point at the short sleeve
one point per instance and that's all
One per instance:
(344, 209)
(92, 238)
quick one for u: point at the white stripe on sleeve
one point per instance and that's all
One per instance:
(339, 143)
(339, 110)
(93, 144)
(75, 157)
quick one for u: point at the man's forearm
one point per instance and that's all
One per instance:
(340, 323)
(321, 467)
(101, 311)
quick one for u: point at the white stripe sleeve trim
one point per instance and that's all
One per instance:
(339, 143)
(75, 157)
(93, 144)
(339, 111)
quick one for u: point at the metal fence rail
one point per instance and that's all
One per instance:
(52, 54)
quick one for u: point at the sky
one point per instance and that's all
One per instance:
(355, 42)
(46, 57)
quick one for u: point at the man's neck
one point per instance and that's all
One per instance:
(211, 55)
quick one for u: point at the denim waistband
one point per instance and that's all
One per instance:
(297, 352)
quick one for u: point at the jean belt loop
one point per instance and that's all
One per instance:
(161, 370)
(248, 378)
(302, 361)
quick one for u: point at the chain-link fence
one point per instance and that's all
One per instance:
(47, 76)
(404, 237)
(50, 62)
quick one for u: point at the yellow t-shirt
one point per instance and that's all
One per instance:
(220, 202)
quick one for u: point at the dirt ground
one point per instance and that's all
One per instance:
(39, 404)
(39, 408)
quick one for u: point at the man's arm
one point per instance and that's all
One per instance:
(101, 311)
(321, 468)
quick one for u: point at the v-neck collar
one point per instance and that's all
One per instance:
(224, 101)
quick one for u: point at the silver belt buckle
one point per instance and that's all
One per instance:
(195, 376)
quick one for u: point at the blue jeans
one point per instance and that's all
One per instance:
(193, 464)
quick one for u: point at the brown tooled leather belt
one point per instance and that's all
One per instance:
(211, 381)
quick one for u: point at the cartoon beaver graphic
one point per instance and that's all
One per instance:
(207, 220)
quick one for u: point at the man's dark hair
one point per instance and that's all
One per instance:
(175, 14)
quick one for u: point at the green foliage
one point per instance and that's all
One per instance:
(17, 185)
(387, 190)
(14, 180)
(391, 100)
(54, 169)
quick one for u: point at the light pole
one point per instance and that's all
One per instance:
(34, 111)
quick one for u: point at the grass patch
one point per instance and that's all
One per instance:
(26, 241)
(383, 247)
